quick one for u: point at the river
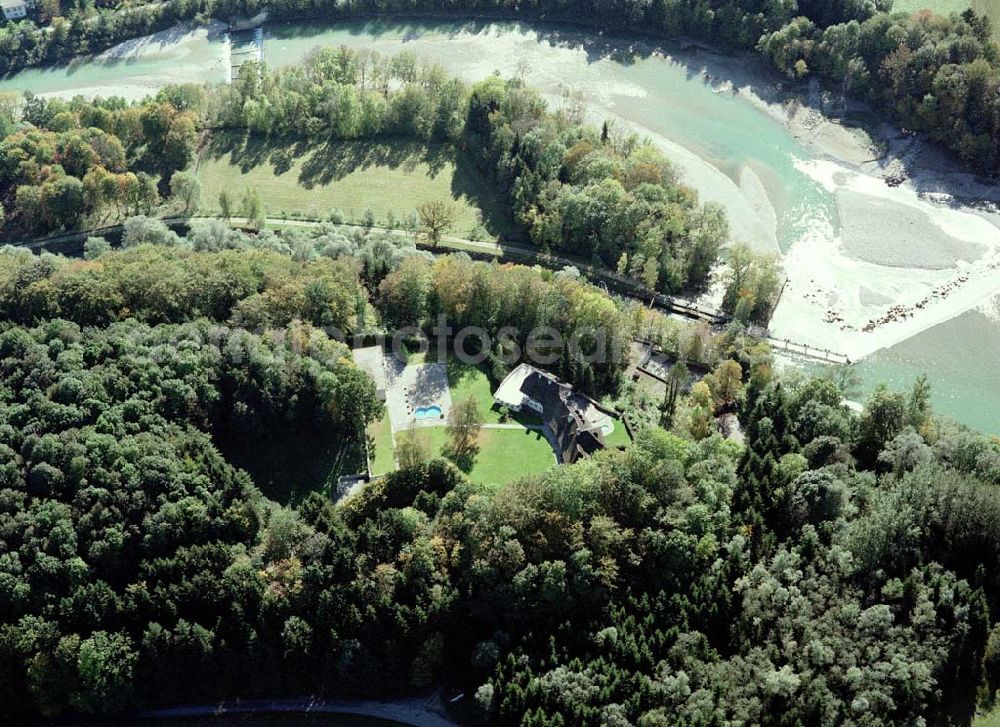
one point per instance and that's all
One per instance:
(792, 182)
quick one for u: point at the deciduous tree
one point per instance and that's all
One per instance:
(436, 218)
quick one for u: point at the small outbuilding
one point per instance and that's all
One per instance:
(16, 9)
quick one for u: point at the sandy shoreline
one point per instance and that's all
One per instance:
(899, 260)
(751, 217)
(182, 54)
(900, 264)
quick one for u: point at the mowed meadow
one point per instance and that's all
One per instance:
(990, 8)
(389, 178)
(938, 6)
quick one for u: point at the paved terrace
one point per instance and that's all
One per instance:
(410, 387)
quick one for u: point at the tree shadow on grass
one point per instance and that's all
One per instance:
(244, 150)
(465, 459)
(323, 162)
(525, 419)
(459, 371)
(333, 160)
(471, 183)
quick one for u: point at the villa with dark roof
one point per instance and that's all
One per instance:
(574, 422)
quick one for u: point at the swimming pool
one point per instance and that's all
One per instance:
(427, 412)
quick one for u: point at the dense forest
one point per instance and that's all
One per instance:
(931, 73)
(834, 568)
(934, 74)
(817, 565)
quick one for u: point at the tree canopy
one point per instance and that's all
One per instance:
(831, 568)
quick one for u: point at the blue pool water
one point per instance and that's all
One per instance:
(427, 412)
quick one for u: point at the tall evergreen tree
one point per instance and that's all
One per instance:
(768, 438)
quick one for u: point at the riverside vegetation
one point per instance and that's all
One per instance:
(602, 195)
(827, 567)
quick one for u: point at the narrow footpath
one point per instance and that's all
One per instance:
(520, 253)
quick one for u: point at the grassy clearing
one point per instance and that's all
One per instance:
(505, 455)
(990, 8)
(391, 178)
(619, 437)
(941, 7)
(380, 434)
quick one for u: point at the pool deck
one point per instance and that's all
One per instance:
(409, 388)
(372, 361)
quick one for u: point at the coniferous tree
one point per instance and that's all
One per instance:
(768, 438)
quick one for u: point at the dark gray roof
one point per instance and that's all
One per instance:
(562, 414)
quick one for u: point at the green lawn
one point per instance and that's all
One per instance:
(619, 437)
(380, 434)
(419, 358)
(389, 177)
(504, 455)
(991, 719)
(990, 8)
(942, 7)
(467, 380)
